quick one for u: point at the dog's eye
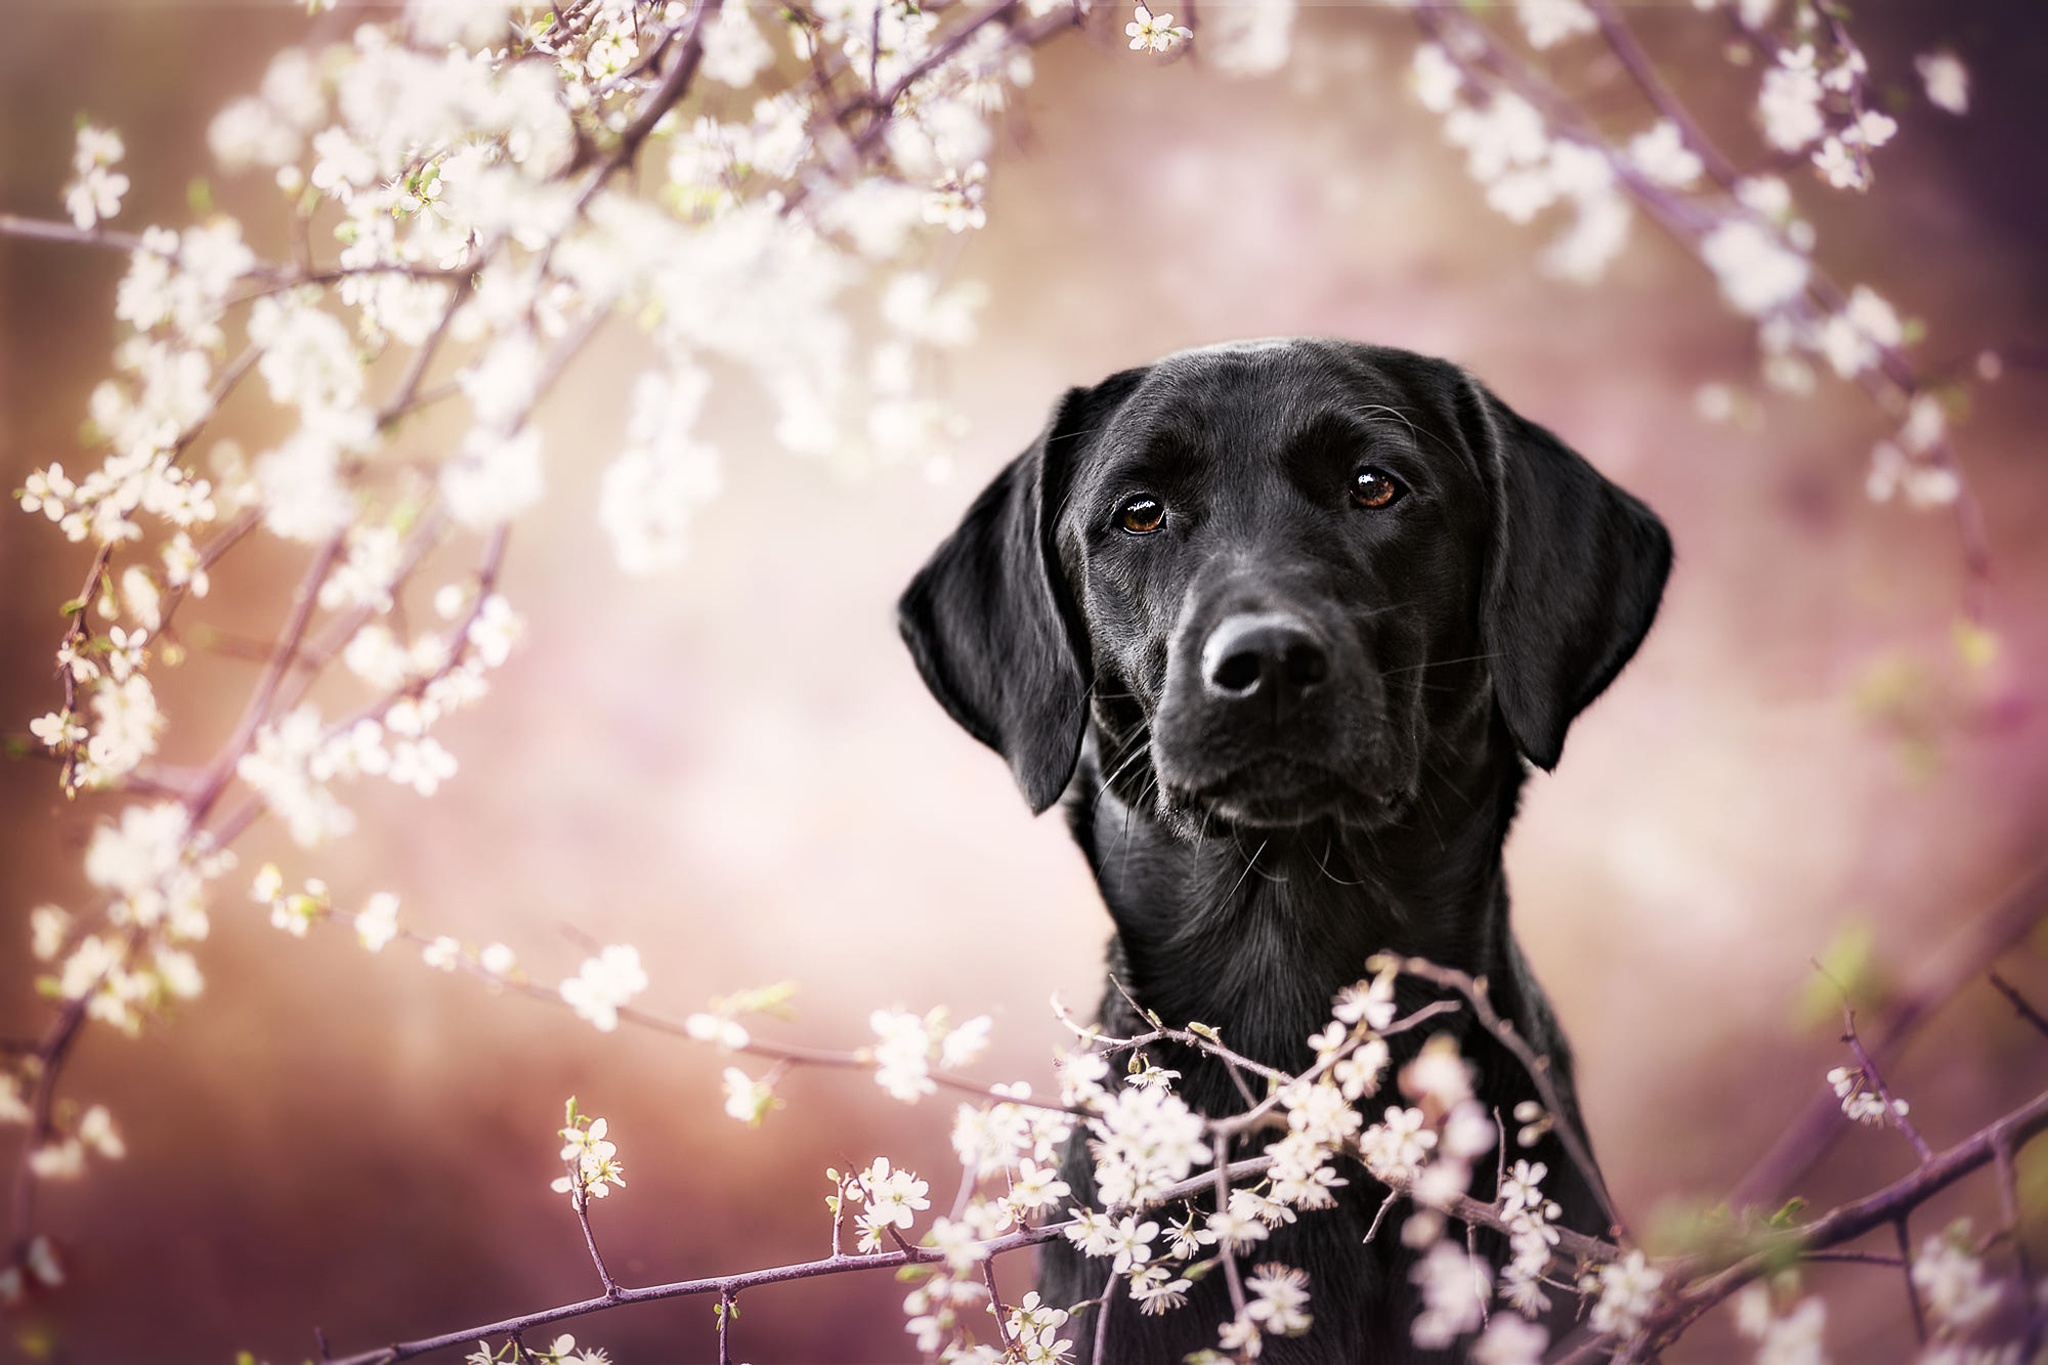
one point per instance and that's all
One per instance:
(1141, 515)
(1375, 488)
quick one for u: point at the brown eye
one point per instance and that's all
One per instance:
(1141, 515)
(1375, 488)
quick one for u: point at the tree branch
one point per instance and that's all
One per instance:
(1942, 975)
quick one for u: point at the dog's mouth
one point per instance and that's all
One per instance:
(1278, 792)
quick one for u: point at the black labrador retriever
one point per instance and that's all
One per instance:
(1285, 618)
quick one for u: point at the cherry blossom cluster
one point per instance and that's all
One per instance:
(1535, 148)
(592, 1159)
(461, 223)
(1173, 1205)
(561, 1351)
(1860, 1103)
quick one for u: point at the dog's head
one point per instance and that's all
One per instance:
(1273, 573)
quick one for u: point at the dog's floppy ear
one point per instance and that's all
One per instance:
(1576, 570)
(990, 619)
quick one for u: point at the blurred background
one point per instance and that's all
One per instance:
(735, 768)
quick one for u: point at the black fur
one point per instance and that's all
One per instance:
(1259, 833)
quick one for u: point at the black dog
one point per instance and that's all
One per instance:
(1286, 618)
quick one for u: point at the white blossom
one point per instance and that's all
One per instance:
(1434, 78)
(1792, 1339)
(377, 923)
(1952, 1282)
(495, 477)
(902, 1058)
(1510, 1340)
(604, 984)
(1628, 1291)
(653, 490)
(133, 857)
(1455, 1286)
(422, 764)
(1251, 38)
(1034, 1327)
(308, 359)
(1945, 79)
(594, 1166)
(1859, 1104)
(734, 50)
(1789, 103)
(711, 1028)
(1156, 1290)
(747, 1099)
(304, 495)
(1758, 273)
(96, 194)
(961, 1046)
(1550, 22)
(893, 1199)
(1395, 1148)
(1278, 1299)
(280, 768)
(13, 1107)
(1851, 339)
(1438, 1077)
(1144, 1141)
(96, 1130)
(1662, 154)
(48, 927)
(1155, 32)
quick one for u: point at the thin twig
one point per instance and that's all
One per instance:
(2009, 1214)
(1905, 1240)
(2018, 1002)
(1102, 1303)
(1883, 1258)
(50, 230)
(582, 1205)
(1220, 1146)
(1536, 1065)
(1942, 976)
(1849, 1221)
(304, 599)
(1894, 1109)
(995, 1302)
(734, 1284)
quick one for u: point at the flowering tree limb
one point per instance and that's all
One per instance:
(503, 182)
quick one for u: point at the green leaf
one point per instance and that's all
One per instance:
(770, 1000)
(1787, 1216)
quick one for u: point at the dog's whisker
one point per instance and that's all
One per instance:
(1439, 663)
(1140, 745)
(1324, 863)
(1232, 893)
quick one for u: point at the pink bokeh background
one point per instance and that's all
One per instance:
(734, 766)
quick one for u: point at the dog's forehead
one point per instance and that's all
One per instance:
(1259, 394)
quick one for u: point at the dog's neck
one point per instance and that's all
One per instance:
(1233, 928)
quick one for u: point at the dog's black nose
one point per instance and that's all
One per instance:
(1262, 653)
